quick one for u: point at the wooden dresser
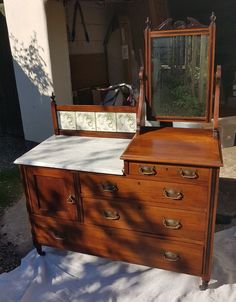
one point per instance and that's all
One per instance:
(146, 195)
(160, 212)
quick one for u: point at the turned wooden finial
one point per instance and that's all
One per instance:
(53, 97)
(148, 23)
(213, 17)
(54, 114)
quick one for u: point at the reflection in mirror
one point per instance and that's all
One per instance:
(179, 75)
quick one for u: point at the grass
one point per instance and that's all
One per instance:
(10, 187)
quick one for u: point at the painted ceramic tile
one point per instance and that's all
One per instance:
(66, 120)
(126, 122)
(85, 121)
(106, 121)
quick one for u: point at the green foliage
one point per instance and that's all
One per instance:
(181, 97)
(10, 187)
(2, 11)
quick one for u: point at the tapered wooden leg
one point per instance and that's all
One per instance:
(204, 284)
(39, 249)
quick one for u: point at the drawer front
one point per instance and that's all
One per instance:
(161, 221)
(49, 231)
(122, 245)
(144, 191)
(190, 175)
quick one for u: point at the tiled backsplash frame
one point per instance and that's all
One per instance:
(97, 121)
(94, 120)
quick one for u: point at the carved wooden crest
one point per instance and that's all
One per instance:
(171, 24)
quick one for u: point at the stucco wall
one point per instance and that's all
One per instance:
(40, 64)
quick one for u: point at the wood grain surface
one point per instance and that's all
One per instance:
(182, 146)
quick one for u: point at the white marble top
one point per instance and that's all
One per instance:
(91, 154)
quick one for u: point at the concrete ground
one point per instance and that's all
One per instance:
(227, 187)
(15, 226)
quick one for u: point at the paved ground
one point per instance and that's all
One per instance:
(15, 230)
(16, 227)
(227, 187)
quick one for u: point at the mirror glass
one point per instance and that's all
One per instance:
(179, 75)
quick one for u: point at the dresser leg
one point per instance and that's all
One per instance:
(39, 249)
(204, 284)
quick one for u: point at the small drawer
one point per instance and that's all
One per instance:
(182, 224)
(120, 244)
(143, 191)
(191, 175)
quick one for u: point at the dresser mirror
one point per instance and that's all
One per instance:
(179, 75)
(179, 68)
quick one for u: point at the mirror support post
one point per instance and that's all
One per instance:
(216, 101)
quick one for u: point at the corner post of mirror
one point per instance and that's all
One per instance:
(212, 42)
(216, 101)
(147, 63)
(141, 102)
(54, 114)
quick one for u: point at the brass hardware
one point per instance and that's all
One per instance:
(71, 199)
(147, 170)
(171, 223)
(186, 173)
(170, 256)
(172, 194)
(108, 187)
(57, 236)
(111, 215)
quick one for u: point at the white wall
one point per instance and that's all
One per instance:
(40, 64)
(97, 18)
(59, 52)
(115, 62)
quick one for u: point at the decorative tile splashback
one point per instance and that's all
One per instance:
(66, 120)
(97, 121)
(106, 121)
(85, 121)
(126, 122)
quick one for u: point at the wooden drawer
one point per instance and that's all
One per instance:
(49, 231)
(190, 175)
(161, 221)
(121, 245)
(143, 191)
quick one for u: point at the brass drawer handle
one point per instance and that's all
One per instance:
(147, 170)
(171, 223)
(110, 215)
(186, 173)
(172, 194)
(57, 236)
(108, 187)
(170, 256)
(71, 199)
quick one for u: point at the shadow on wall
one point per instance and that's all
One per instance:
(34, 87)
(32, 63)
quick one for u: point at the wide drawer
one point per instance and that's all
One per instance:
(161, 221)
(122, 245)
(184, 174)
(143, 191)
